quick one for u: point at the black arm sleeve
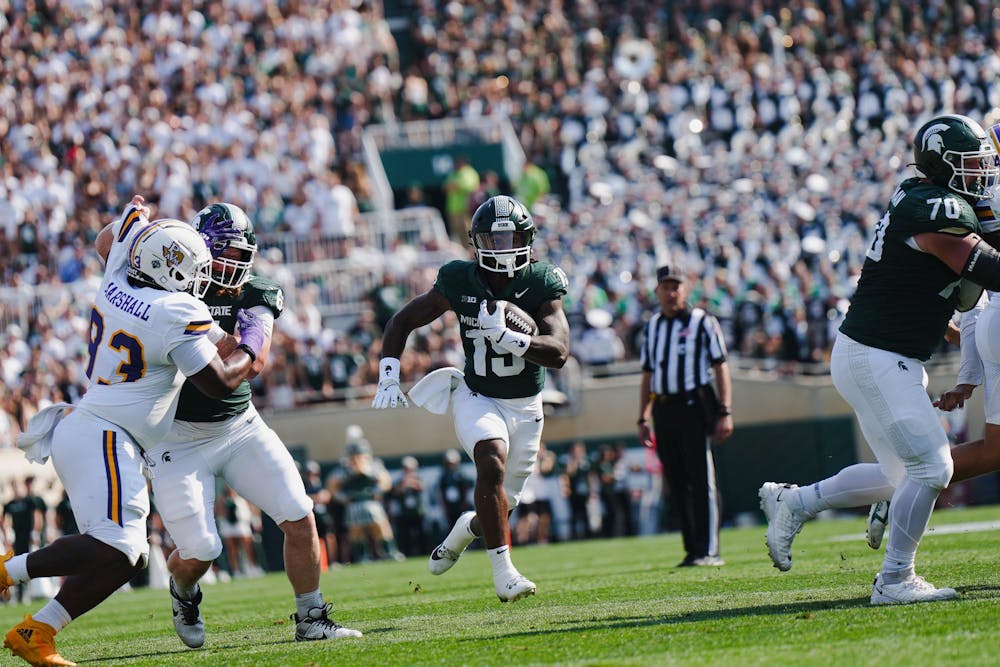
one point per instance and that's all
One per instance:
(983, 267)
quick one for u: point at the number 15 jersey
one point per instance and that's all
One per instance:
(142, 343)
(489, 370)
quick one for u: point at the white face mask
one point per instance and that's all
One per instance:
(503, 251)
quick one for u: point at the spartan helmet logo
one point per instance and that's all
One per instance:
(503, 207)
(933, 141)
(173, 254)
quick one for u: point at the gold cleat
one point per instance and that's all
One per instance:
(5, 581)
(35, 643)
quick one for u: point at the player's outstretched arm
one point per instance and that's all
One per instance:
(968, 256)
(421, 310)
(105, 238)
(222, 376)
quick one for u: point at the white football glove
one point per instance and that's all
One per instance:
(389, 393)
(492, 325)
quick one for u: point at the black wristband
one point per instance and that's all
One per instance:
(640, 422)
(983, 266)
(250, 353)
(724, 411)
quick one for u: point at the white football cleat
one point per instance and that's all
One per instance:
(908, 591)
(446, 554)
(513, 586)
(783, 523)
(187, 618)
(317, 624)
(878, 521)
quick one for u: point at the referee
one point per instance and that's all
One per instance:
(681, 349)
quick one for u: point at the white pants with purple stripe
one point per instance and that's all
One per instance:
(102, 470)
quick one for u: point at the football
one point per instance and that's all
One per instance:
(516, 318)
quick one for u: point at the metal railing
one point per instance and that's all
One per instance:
(319, 260)
(420, 226)
(432, 133)
(436, 133)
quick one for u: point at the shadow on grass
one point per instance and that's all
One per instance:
(210, 649)
(981, 591)
(616, 622)
(798, 609)
(204, 651)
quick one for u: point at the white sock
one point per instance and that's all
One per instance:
(17, 568)
(855, 486)
(500, 559)
(306, 601)
(53, 614)
(184, 592)
(461, 534)
(909, 513)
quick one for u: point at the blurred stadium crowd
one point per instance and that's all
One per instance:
(753, 143)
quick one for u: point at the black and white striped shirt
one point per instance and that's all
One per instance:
(680, 351)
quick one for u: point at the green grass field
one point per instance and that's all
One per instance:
(619, 602)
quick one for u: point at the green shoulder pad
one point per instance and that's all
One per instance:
(921, 207)
(260, 291)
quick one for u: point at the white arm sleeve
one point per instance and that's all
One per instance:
(193, 355)
(970, 368)
(216, 333)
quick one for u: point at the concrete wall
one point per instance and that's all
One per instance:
(608, 410)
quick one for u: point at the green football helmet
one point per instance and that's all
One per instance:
(225, 226)
(954, 152)
(502, 231)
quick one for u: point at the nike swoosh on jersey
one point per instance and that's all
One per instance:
(518, 295)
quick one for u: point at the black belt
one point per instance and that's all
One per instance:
(681, 397)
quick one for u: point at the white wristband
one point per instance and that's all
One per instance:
(388, 368)
(514, 342)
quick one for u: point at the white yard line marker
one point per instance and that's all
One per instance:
(946, 529)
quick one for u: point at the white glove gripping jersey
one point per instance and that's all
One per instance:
(142, 343)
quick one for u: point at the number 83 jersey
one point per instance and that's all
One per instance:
(489, 370)
(905, 296)
(142, 343)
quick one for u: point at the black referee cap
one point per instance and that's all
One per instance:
(664, 273)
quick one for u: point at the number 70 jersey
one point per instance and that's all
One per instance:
(142, 342)
(905, 296)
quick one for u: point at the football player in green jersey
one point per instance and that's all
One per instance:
(497, 406)
(979, 338)
(926, 258)
(227, 439)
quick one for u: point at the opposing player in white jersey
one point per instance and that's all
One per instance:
(147, 332)
(225, 438)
